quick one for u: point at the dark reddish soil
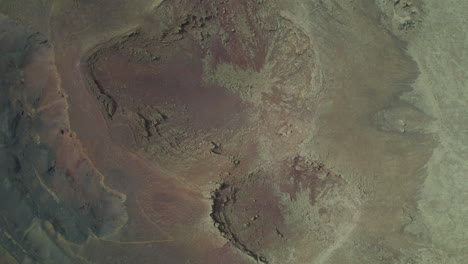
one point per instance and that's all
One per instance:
(151, 89)
(140, 134)
(249, 214)
(307, 174)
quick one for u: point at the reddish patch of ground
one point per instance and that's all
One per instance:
(305, 174)
(249, 214)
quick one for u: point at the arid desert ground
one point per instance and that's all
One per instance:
(233, 131)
